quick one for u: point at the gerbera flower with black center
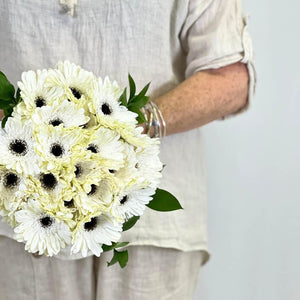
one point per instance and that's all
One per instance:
(17, 147)
(49, 188)
(49, 183)
(12, 189)
(55, 144)
(98, 197)
(34, 92)
(85, 173)
(132, 201)
(63, 113)
(76, 82)
(40, 231)
(107, 108)
(105, 145)
(94, 231)
(127, 174)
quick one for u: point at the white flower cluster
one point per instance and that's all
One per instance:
(74, 166)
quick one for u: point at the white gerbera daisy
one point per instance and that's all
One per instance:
(105, 145)
(34, 92)
(75, 81)
(65, 113)
(47, 185)
(85, 173)
(107, 108)
(40, 231)
(148, 164)
(98, 197)
(54, 145)
(135, 137)
(11, 183)
(17, 147)
(12, 189)
(93, 232)
(132, 202)
(128, 174)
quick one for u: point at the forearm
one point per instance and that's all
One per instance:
(204, 97)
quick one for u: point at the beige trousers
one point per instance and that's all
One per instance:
(152, 273)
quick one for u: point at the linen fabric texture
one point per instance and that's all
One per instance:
(151, 273)
(162, 42)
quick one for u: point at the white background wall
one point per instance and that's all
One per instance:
(253, 164)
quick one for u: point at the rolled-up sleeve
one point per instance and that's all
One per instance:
(215, 34)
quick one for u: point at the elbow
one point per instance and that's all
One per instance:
(240, 86)
(233, 85)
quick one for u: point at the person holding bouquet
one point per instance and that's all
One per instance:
(198, 56)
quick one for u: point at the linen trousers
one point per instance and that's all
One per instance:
(151, 273)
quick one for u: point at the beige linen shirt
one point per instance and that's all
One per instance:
(162, 41)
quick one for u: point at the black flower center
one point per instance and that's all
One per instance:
(39, 102)
(10, 180)
(93, 148)
(93, 190)
(124, 199)
(46, 221)
(57, 150)
(83, 126)
(18, 147)
(55, 122)
(89, 226)
(69, 204)
(76, 93)
(106, 109)
(48, 181)
(78, 170)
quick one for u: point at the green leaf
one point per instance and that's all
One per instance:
(4, 121)
(8, 109)
(113, 260)
(164, 201)
(119, 256)
(138, 102)
(18, 96)
(130, 223)
(114, 245)
(7, 90)
(123, 98)
(140, 118)
(132, 86)
(140, 95)
(144, 90)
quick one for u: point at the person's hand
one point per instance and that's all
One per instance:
(144, 127)
(150, 133)
(1, 115)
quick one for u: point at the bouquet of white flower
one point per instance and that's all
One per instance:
(75, 169)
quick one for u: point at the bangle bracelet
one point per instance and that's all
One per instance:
(156, 123)
(154, 119)
(162, 123)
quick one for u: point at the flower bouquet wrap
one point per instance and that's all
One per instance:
(75, 169)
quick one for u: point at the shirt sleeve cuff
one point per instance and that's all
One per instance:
(248, 59)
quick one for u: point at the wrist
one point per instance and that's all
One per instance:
(155, 125)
